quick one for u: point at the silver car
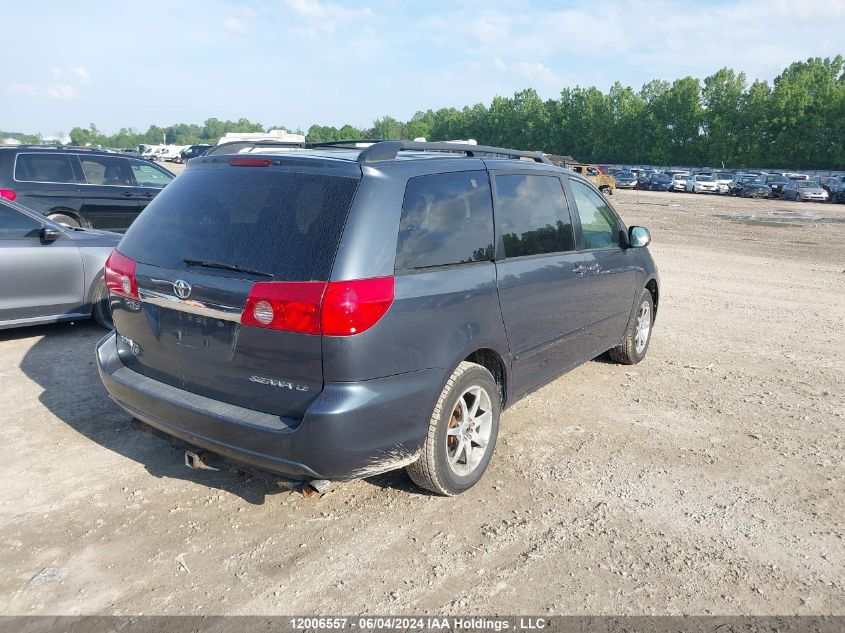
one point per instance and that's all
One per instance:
(50, 272)
(804, 190)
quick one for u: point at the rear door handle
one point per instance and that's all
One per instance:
(126, 194)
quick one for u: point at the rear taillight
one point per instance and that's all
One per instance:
(8, 194)
(335, 308)
(352, 307)
(289, 306)
(119, 274)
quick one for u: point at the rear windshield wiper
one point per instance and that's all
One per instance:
(222, 266)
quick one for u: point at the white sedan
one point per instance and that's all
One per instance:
(701, 183)
(679, 182)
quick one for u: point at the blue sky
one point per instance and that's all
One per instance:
(298, 62)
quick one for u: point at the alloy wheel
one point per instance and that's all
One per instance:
(468, 435)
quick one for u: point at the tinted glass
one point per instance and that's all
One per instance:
(599, 224)
(147, 175)
(285, 224)
(446, 219)
(15, 226)
(44, 168)
(106, 170)
(532, 215)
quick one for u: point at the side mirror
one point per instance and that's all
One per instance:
(638, 237)
(49, 234)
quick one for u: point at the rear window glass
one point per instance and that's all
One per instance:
(284, 224)
(446, 219)
(43, 168)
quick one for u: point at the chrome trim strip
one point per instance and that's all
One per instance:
(211, 310)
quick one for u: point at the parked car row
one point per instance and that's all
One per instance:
(743, 184)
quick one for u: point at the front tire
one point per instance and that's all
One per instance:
(638, 335)
(462, 433)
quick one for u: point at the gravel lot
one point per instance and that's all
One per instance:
(708, 479)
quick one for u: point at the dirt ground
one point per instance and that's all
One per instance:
(709, 479)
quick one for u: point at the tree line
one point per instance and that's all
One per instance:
(796, 122)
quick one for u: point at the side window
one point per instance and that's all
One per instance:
(44, 168)
(147, 175)
(599, 224)
(446, 219)
(532, 215)
(17, 226)
(106, 170)
(592, 171)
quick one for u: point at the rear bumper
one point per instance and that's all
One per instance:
(351, 430)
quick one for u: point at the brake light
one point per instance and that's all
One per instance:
(352, 307)
(119, 274)
(289, 306)
(250, 162)
(335, 308)
(8, 194)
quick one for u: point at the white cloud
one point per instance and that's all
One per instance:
(660, 38)
(55, 89)
(234, 25)
(24, 89)
(319, 19)
(59, 92)
(81, 74)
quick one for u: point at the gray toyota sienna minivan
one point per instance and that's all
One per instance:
(338, 310)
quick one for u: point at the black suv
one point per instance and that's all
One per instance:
(192, 151)
(80, 187)
(337, 311)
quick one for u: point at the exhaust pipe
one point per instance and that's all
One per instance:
(315, 487)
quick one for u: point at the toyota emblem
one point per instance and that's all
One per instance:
(182, 289)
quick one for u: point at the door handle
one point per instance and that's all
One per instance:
(126, 194)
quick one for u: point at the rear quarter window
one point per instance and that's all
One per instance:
(44, 168)
(446, 219)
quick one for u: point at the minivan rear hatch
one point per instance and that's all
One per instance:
(224, 225)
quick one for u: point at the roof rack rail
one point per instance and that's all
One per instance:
(387, 150)
(235, 146)
(353, 142)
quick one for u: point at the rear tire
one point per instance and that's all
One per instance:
(638, 335)
(606, 190)
(462, 433)
(101, 310)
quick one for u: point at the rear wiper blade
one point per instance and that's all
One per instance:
(222, 266)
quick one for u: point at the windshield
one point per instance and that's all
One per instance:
(780, 180)
(806, 184)
(704, 178)
(724, 175)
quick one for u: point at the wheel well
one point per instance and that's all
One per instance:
(490, 360)
(652, 288)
